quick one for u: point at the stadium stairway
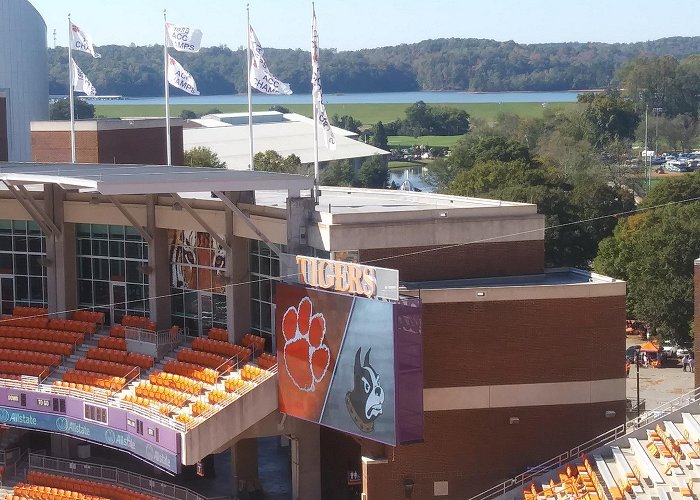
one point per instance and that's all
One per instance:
(659, 459)
(80, 352)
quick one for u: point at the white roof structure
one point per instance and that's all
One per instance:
(227, 135)
(110, 179)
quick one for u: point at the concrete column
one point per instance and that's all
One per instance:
(62, 280)
(306, 461)
(299, 212)
(159, 267)
(238, 274)
(244, 464)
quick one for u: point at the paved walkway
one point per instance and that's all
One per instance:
(657, 385)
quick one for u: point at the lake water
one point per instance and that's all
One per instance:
(414, 175)
(364, 98)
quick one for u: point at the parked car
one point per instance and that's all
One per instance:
(670, 348)
(683, 350)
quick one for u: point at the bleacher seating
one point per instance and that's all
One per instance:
(27, 322)
(71, 325)
(119, 356)
(13, 368)
(250, 372)
(73, 386)
(95, 379)
(237, 385)
(200, 407)
(37, 358)
(267, 361)
(117, 331)
(206, 375)
(36, 346)
(225, 349)
(106, 367)
(138, 322)
(89, 317)
(218, 334)
(85, 486)
(254, 342)
(30, 311)
(160, 393)
(207, 359)
(21, 332)
(112, 343)
(177, 382)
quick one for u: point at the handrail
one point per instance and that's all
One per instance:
(601, 440)
(113, 475)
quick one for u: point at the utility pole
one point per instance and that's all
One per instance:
(54, 38)
(646, 149)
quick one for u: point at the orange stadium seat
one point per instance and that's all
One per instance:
(107, 367)
(254, 342)
(218, 334)
(267, 361)
(206, 375)
(93, 490)
(112, 343)
(221, 348)
(209, 360)
(177, 382)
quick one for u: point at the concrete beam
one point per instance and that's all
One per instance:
(193, 213)
(246, 220)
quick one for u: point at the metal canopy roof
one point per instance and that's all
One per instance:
(110, 179)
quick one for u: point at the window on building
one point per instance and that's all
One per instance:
(95, 413)
(264, 275)
(107, 256)
(22, 265)
(139, 427)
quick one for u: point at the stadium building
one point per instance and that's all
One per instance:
(155, 294)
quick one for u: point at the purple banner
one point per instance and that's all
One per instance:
(408, 357)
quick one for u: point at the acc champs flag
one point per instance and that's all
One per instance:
(80, 81)
(178, 77)
(260, 76)
(183, 38)
(82, 41)
(316, 90)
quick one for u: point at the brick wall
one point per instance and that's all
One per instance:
(465, 261)
(4, 146)
(55, 147)
(474, 450)
(523, 342)
(140, 146)
(340, 453)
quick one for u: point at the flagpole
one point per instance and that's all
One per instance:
(71, 97)
(167, 88)
(314, 110)
(251, 165)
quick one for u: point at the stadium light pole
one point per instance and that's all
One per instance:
(638, 401)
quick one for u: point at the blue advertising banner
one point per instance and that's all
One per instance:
(91, 432)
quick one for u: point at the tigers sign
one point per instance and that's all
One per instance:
(348, 277)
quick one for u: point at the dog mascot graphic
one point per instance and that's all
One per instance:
(365, 400)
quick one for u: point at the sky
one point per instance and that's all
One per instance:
(358, 24)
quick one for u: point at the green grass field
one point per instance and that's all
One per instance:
(367, 113)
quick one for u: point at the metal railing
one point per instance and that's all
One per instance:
(113, 475)
(170, 338)
(598, 441)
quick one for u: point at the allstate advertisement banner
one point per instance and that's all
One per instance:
(91, 432)
(336, 356)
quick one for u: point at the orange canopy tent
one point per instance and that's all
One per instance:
(649, 347)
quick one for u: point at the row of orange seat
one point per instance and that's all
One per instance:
(37, 358)
(24, 491)
(207, 359)
(72, 325)
(160, 393)
(139, 322)
(30, 311)
(42, 322)
(22, 332)
(138, 400)
(199, 407)
(112, 343)
(177, 382)
(36, 346)
(206, 375)
(250, 372)
(89, 317)
(216, 396)
(117, 356)
(95, 379)
(218, 334)
(87, 487)
(267, 361)
(73, 386)
(117, 331)
(107, 367)
(236, 385)
(12, 368)
(254, 342)
(226, 349)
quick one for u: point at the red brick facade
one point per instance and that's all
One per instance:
(4, 146)
(523, 342)
(475, 260)
(474, 450)
(128, 146)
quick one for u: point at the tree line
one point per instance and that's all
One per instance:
(443, 64)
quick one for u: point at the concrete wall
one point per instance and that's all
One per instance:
(4, 145)
(24, 72)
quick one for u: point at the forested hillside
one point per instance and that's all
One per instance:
(445, 64)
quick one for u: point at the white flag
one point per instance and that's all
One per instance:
(183, 38)
(317, 91)
(82, 41)
(80, 81)
(260, 77)
(178, 77)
